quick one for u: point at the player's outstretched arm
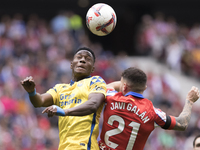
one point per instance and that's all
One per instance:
(114, 85)
(94, 102)
(183, 119)
(38, 100)
(89, 107)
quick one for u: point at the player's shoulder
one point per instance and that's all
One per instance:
(148, 102)
(61, 85)
(110, 92)
(96, 79)
(112, 95)
(149, 105)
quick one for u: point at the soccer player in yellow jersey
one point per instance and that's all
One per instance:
(78, 104)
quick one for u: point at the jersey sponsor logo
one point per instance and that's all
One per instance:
(69, 99)
(63, 96)
(131, 108)
(82, 144)
(75, 101)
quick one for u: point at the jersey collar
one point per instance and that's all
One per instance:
(134, 94)
(72, 82)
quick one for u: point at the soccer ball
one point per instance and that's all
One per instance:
(101, 19)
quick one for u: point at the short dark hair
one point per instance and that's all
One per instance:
(87, 49)
(198, 136)
(136, 79)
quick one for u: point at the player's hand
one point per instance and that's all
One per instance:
(193, 94)
(54, 110)
(28, 84)
(51, 111)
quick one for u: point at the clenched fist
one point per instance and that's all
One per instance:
(193, 94)
(28, 84)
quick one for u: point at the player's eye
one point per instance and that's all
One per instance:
(78, 57)
(88, 59)
(198, 145)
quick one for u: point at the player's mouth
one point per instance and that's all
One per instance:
(80, 67)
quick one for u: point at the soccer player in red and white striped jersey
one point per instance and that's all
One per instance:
(129, 118)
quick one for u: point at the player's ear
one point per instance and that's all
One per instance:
(145, 87)
(93, 68)
(71, 65)
(125, 87)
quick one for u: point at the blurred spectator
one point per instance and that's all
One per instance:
(171, 43)
(60, 22)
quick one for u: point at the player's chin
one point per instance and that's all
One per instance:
(79, 69)
(82, 73)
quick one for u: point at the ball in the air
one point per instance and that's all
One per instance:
(101, 19)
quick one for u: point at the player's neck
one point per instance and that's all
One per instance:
(78, 78)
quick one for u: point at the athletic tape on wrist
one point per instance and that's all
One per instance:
(32, 93)
(60, 111)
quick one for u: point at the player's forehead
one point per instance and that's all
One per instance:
(85, 53)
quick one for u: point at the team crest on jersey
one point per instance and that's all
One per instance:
(80, 84)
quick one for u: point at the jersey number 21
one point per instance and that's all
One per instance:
(135, 128)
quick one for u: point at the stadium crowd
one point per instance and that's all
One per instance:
(44, 50)
(176, 45)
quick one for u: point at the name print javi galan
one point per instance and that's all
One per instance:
(129, 107)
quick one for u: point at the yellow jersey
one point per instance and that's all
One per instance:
(78, 132)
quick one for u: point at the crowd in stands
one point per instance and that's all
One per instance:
(177, 45)
(45, 49)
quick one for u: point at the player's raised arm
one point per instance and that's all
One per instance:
(114, 85)
(183, 119)
(38, 100)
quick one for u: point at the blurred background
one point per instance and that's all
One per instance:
(39, 37)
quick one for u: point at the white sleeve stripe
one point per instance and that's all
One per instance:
(161, 114)
(111, 93)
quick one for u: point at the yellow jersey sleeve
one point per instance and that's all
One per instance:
(97, 85)
(54, 93)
